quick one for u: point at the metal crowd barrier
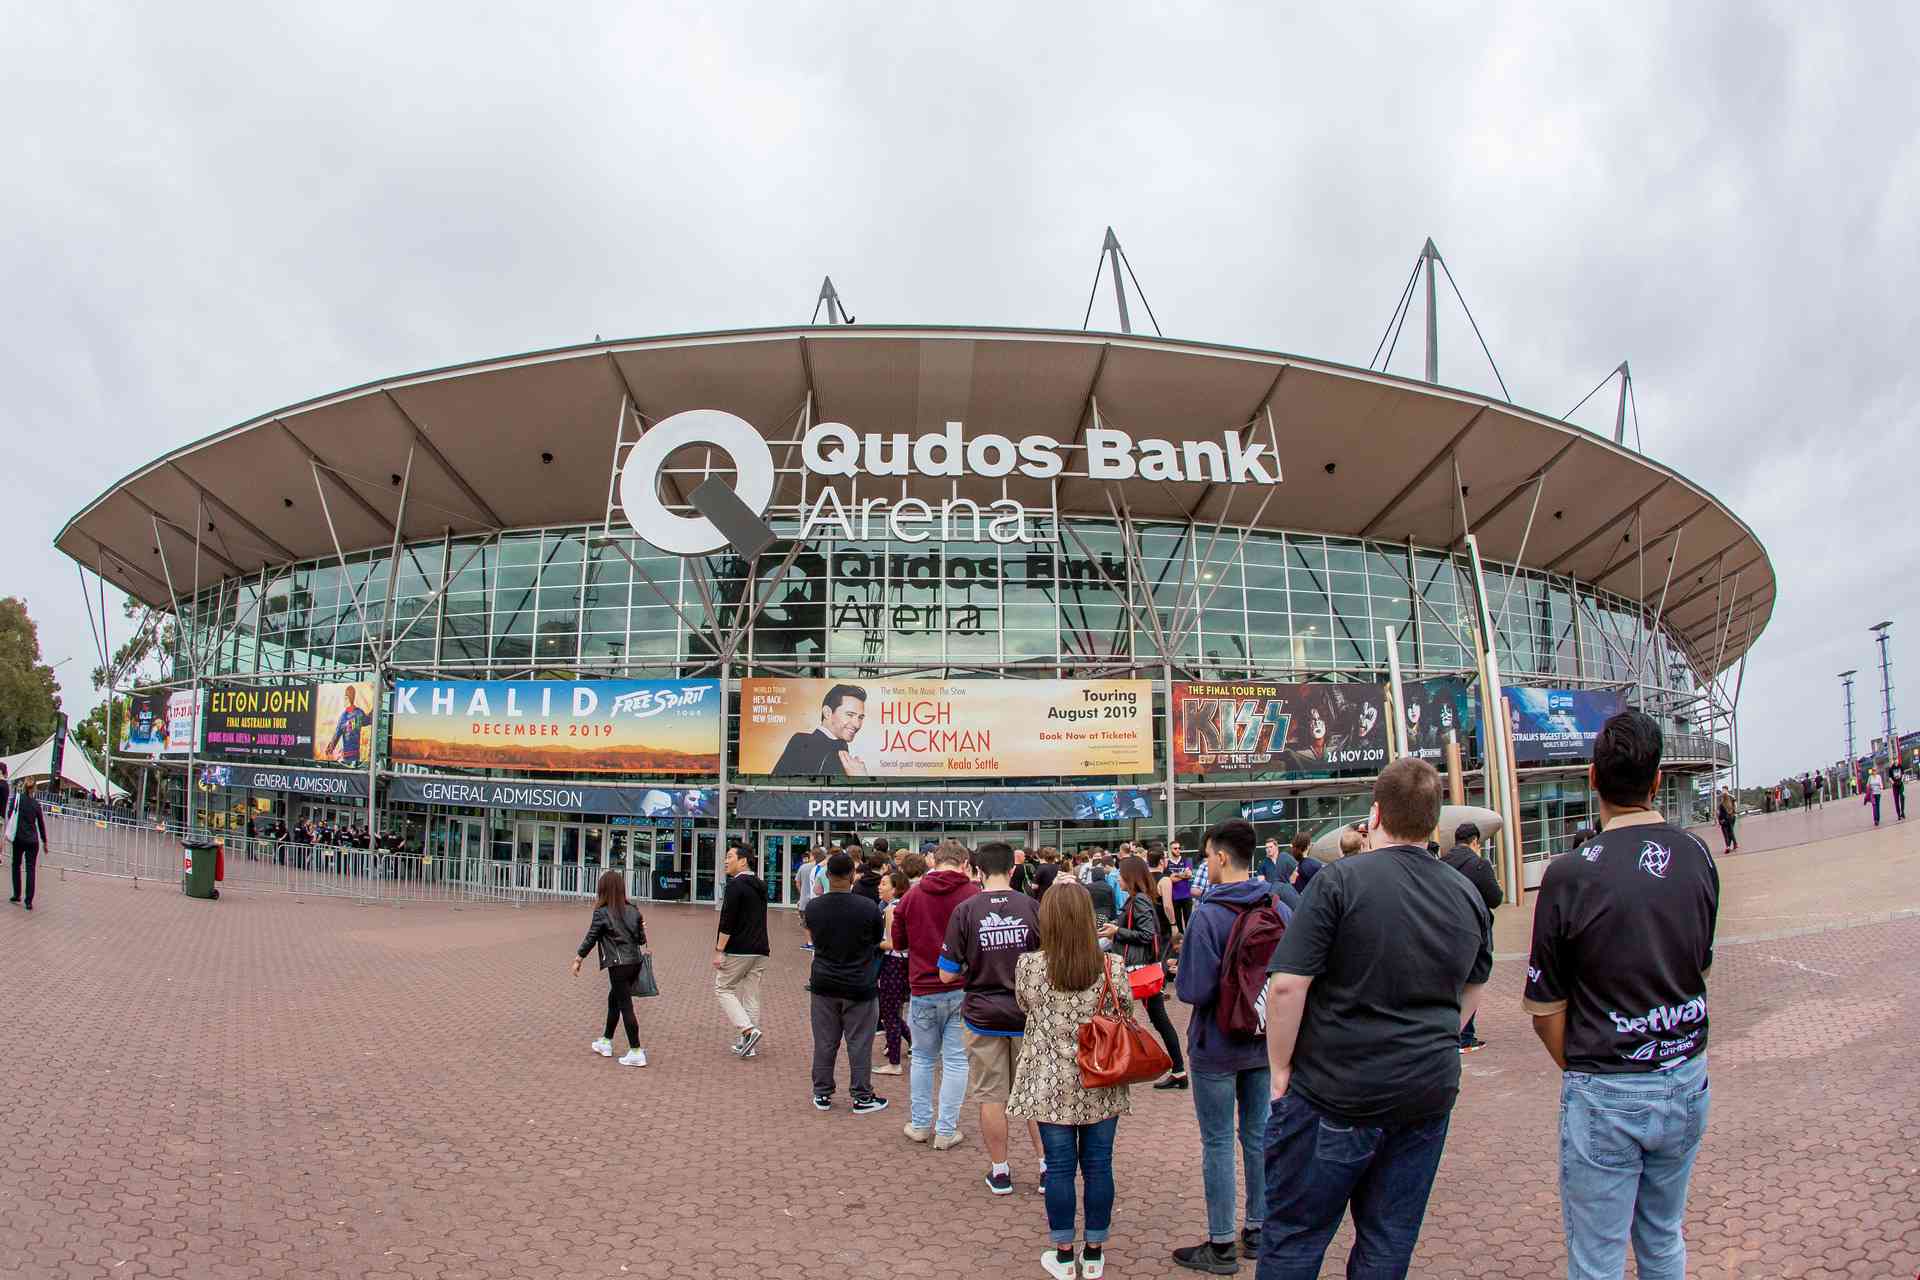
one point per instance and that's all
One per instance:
(136, 851)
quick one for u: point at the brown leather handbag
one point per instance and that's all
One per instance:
(1115, 1050)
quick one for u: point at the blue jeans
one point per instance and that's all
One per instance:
(1627, 1144)
(1318, 1165)
(1215, 1098)
(937, 1031)
(1089, 1148)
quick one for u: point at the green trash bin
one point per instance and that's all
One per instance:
(196, 875)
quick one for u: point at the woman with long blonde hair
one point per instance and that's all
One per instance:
(1061, 986)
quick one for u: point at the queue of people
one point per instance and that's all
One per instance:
(1326, 1025)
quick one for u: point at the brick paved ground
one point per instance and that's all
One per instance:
(270, 1087)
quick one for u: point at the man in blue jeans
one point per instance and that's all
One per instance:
(1380, 968)
(1228, 1075)
(1617, 986)
(933, 1013)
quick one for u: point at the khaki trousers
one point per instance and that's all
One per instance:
(737, 983)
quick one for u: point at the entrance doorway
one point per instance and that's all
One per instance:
(781, 853)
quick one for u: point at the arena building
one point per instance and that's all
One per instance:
(1087, 587)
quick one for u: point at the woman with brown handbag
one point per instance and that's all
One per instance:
(1141, 934)
(1061, 987)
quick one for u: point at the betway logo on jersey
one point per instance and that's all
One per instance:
(835, 449)
(1669, 1017)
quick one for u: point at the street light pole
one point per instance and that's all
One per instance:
(1886, 691)
(1846, 683)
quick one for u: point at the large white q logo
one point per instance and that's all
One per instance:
(640, 478)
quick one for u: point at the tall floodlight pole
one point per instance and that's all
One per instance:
(1846, 684)
(1886, 691)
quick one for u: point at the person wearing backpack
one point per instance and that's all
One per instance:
(1375, 977)
(1223, 963)
(621, 935)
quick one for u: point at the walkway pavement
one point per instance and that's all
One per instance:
(264, 1086)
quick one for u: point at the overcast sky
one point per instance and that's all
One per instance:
(212, 211)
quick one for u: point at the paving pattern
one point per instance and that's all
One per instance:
(267, 1086)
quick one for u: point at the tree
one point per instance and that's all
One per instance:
(91, 733)
(29, 696)
(154, 636)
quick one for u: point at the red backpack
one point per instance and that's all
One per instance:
(1241, 1008)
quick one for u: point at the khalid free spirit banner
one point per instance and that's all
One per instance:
(946, 728)
(559, 726)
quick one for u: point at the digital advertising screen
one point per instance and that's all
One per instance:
(1258, 726)
(1553, 726)
(559, 726)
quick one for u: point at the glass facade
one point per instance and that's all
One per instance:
(561, 603)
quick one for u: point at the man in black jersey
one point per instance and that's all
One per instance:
(1617, 986)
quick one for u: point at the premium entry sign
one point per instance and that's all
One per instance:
(946, 728)
(559, 726)
(1256, 726)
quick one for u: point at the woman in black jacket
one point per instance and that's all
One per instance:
(622, 938)
(1141, 935)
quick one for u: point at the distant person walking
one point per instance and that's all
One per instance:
(27, 827)
(740, 950)
(1899, 784)
(1617, 986)
(1876, 786)
(1060, 987)
(620, 933)
(1727, 814)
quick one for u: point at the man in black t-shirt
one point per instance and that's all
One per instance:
(1465, 858)
(740, 950)
(986, 936)
(845, 928)
(1378, 970)
(1617, 986)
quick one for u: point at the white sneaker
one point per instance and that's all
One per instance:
(1093, 1268)
(634, 1058)
(916, 1133)
(1050, 1262)
(602, 1047)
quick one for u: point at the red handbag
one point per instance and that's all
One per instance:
(1147, 980)
(1113, 1050)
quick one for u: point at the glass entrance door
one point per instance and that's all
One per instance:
(535, 850)
(781, 854)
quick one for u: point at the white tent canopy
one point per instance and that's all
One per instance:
(75, 768)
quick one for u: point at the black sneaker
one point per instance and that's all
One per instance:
(863, 1103)
(823, 1102)
(1215, 1259)
(1174, 1082)
(1001, 1184)
(1250, 1243)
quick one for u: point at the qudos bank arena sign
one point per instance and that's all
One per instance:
(835, 452)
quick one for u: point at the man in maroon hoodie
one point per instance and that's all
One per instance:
(933, 1013)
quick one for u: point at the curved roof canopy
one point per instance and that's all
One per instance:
(1364, 454)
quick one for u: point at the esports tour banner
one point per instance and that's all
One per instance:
(1553, 726)
(1436, 707)
(1258, 726)
(946, 728)
(160, 724)
(559, 726)
(302, 720)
